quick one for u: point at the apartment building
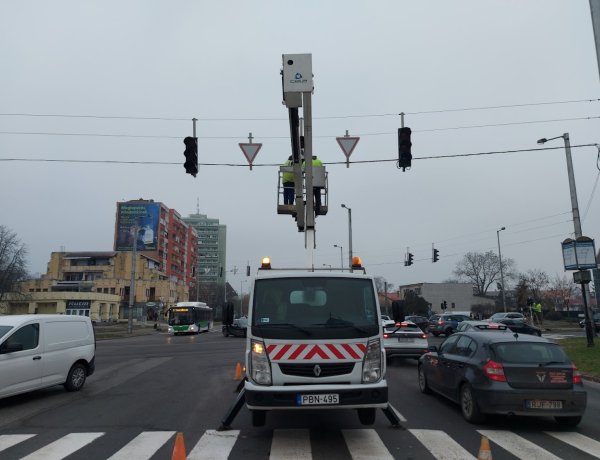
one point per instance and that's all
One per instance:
(160, 234)
(97, 284)
(212, 251)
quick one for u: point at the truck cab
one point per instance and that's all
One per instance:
(314, 341)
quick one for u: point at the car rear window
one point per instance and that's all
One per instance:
(528, 353)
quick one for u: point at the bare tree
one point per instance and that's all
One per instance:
(561, 291)
(537, 281)
(13, 267)
(380, 285)
(483, 269)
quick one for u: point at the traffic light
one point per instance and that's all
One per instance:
(404, 145)
(436, 255)
(409, 260)
(191, 155)
(445, 305)
(442, 306)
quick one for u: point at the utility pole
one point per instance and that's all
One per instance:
(132, 283)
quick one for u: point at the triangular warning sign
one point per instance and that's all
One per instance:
(347, 144)
(250, 151)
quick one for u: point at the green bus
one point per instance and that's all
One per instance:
(190, 318)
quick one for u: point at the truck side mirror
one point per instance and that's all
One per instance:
(228, 314)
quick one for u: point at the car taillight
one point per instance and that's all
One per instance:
(423, 336)
(577, 378)
(494, 371)
(440, 322)
(386, 336)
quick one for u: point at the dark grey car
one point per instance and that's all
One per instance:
(504, 373)
(445, 323)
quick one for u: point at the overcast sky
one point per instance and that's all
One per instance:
(219, 61)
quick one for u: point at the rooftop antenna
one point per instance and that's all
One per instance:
(197, 205)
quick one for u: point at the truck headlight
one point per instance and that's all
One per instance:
(372, 362)
(170, 329)
(193, 328)
(260, 365)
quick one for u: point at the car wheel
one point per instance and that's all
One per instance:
(76, 377)
(367, 416)
(468, 405)
(423, 385)
(568, 421)
(259, 417)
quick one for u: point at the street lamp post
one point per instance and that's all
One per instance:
(136, 230)
(501, 270)
(341, 254)
(349, 235)
(574, 204)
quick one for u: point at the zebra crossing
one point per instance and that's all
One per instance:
(287, 444)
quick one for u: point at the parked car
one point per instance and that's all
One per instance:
(386, 321)
(237, 329)
(404, 339)
(596, 322)
(38, 351)
(521, 327)
(481, 326)
(504, 374)
(420, 321)
(445, 323)
(507, 315)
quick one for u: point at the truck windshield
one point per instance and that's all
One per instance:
(313, 306)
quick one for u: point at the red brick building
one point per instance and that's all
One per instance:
(162, 235)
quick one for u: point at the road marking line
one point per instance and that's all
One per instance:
(63, 447)
(366, 445)
(9, 440)
(581, 442)
(518, 446)
(290, 445)
(214, 445)
(441, 445)
(143, 446)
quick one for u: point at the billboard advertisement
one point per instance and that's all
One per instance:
(145, 216)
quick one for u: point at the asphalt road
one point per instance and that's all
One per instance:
(148, 388)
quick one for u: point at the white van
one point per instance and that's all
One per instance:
(38, 351)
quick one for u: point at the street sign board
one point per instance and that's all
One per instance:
(348, 144)
(579, 254)
(250, 151)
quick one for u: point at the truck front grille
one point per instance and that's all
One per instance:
(308, 369)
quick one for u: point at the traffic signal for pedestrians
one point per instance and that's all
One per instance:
(436, 255)
(191, 155)
(404, 145)
(409, 260)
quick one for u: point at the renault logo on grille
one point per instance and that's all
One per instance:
(541, 376)
(317, 370)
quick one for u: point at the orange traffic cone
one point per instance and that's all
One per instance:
(238, 372)
(485, 452)
(179, 448)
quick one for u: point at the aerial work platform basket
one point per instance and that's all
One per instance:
(320, 186)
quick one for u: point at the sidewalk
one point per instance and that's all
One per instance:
(106, 331)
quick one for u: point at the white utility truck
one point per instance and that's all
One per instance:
(314, 341)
